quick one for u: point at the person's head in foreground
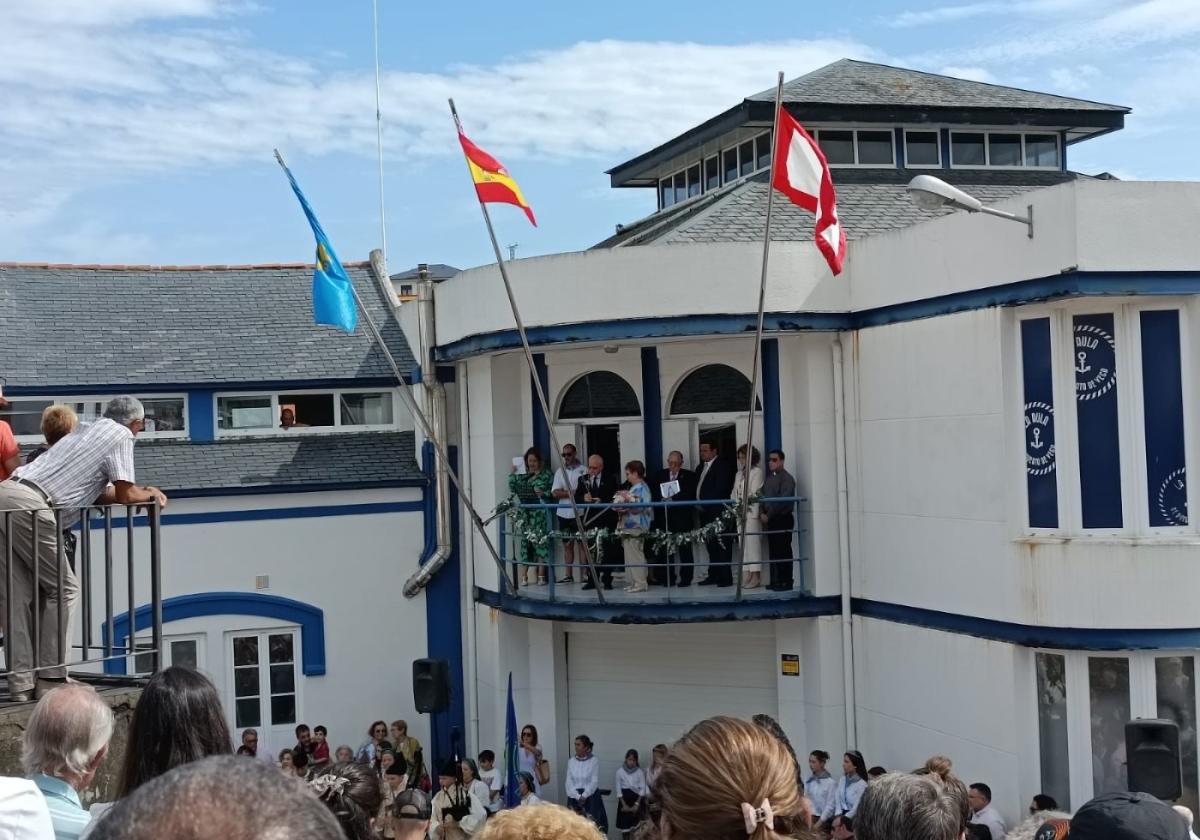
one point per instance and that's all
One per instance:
(1127, 816)
(411, 811)
(219, 798)
(757, 799)
(352, 793)
(67, 735)
(539, 822)
(907, 806)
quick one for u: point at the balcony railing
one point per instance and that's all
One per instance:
(663, 564)
(84, 547)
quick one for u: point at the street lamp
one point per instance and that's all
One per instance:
(930, 193)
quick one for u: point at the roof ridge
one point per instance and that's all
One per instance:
(144, 267)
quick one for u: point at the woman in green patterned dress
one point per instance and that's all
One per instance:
(532, 486)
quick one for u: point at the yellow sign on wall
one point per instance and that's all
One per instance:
(789, 664)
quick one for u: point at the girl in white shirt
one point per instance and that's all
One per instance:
(473, 783)
(657, 756)
(850, 787)
(583, 784)
(820, 785)
(632, 791)
(525, 789)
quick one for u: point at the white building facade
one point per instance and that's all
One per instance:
(991, 434)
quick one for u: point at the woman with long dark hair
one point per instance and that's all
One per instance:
(583, 784)
(532, 486)
(178, 720)
(851, 786)
(819, 788)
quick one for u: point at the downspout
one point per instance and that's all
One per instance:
(435, 408)
(843, 509)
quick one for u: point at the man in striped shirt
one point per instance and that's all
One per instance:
(93, 464)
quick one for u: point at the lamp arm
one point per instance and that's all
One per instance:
(1026, 220)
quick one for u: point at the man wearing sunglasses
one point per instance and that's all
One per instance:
(778, 521)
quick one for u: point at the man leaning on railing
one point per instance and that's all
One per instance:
(92, 465)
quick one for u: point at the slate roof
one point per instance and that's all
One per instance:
(437, 273)
(869, 202)
(850, 82)
(68, 326)
(370, 459)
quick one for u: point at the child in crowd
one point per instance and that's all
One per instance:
(657, 756)
(490, 776)
(286, 764)
(473, 783)
(320, 753)
(632, 793)
(343, 755)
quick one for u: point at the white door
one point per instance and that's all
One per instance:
(632, 688)
(264, 682)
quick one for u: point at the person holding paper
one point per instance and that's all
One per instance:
(680, 486)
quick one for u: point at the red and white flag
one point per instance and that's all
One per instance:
(801, 173)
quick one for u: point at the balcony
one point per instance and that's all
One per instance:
(111, 561)
(665, 602)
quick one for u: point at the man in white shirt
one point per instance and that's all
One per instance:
(93, 464)
(982, 812)
(23, 811)
(566, 479)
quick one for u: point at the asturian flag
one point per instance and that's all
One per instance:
(801, 172)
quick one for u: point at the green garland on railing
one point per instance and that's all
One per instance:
(656, 538)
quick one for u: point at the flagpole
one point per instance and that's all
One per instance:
(533, 375)
(379, 137)
(758, 332)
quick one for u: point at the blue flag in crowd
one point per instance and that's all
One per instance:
(512, 796)
(333, 296)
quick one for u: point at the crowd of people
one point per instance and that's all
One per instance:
(768, 525)
(725, 779)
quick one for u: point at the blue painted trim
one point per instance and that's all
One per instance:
(757, 609)
(1062, 150)
(772, 409)
(163, 387)
(541, 424)
(315, 487)
(269, 514)
(310, 618)
(201, 414)
(1055, 287)
(444, 618)
(1026, 635)
(416, 377)
(652, 409)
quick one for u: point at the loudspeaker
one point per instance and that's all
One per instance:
(431, 685)
(1153, 759)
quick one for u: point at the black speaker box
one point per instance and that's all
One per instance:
(431, 685)
(1153, 759)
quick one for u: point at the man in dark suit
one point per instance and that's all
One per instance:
(674, 519)
(716, 482)
(596, 487)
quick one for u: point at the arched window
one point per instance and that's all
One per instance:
(600, 393)
(713, 389)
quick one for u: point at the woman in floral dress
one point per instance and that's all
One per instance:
(532, 486)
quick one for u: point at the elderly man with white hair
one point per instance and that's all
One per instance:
(92, 464)
(65, 742)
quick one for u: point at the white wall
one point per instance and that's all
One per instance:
(350, 566)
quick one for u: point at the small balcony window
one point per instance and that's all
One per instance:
(875, 148)
(243, 413)
(693, 181)
(968, 149)
(712, 173)
(1004, 149)
(921, 148)
(1041, 150)
(838, 146)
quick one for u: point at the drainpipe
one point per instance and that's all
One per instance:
(435, 408)
(843, 509)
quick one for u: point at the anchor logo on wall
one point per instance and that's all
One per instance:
(1095, 362)
(1039, 438)
(1172, 498)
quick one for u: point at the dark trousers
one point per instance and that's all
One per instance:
(779, 547)
(720, 553)
(664, 570)
(614, 558)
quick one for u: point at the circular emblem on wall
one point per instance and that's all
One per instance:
(1039, 434)
(1095, 362)
(1172, 498)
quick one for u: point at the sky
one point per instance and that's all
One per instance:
(141, 131)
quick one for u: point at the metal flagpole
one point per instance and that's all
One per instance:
(762, 296)
(379, 138)
(537, 382)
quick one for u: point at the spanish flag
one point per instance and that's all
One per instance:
(493, 184)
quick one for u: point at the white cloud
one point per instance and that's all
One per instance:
(1074, 79)
(100, 91)
(975, 74)
(952, 14)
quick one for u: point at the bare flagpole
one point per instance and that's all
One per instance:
(410, 403)
(762, 297)
(379, 137)
(533, 375)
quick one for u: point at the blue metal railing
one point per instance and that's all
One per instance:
(665, 567)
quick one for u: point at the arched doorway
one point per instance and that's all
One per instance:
(710, 404)
(604, 415)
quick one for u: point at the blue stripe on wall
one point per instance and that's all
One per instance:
(541, 425)
(1097, 418)
(443, 614)
(1041, 469)
(652, 409)
(201, 415)
(266, 514)
(1162, 404)
(772, 408)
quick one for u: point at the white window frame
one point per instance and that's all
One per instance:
(987, 149)
(720, 155)
(937, 133)
(278, 397)
(854, 130)
(1143, 703)
(145, 641)
(264, 679)
(1131, 433)
(101, 400)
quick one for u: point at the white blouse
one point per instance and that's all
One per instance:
(634, 780)
(585, 774)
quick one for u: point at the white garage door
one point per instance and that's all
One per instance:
(634, 687)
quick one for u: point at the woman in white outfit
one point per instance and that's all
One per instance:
(529, 755)
(583, 784)
(820, 786)
(752, 560)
